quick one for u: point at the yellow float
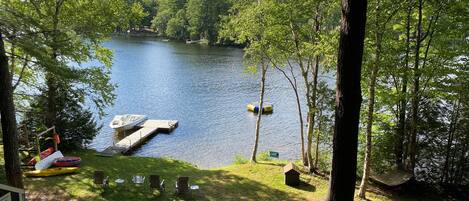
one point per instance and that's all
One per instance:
(51, 171)
(266, 107)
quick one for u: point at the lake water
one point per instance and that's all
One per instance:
(206, 89)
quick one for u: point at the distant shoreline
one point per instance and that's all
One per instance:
(152, 34)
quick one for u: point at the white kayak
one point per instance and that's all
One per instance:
(126, 121)
(47, 161)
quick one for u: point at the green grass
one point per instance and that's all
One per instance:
(262, 181)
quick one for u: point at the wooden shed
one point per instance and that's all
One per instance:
(292, 174)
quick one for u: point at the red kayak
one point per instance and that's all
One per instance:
(67, 161)
(43, 154)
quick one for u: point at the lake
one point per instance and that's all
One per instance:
(206, 89)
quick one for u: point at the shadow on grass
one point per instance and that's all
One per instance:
(305, 186)
(214, 184)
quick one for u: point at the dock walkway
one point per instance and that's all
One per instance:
(137, 138)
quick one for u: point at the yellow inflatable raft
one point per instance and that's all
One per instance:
(266, 107)
(51, 171)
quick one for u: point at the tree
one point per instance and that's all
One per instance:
(204, 18)
(177, 26)
(377, 31)
(348, 101)
(136, 14)
(248, 24)
(167, 9)
(74, 31)
(8, 120)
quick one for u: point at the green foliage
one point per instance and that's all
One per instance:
(204, 18)
(136, 15)
(61, 39)
(167, 9)
(195, 19)
(74, 124)
(177, 26)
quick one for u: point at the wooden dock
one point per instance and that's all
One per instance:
(137, 138)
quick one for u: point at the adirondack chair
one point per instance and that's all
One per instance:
(100, 180)
(182, 185)
(156, 184)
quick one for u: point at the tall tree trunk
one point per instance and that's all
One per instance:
(51, 79)
(8, 119)
(313, 96)
(51, 111)
(293, 84)
(371, 104)
(415, 91)
(300, 117)
(348, 101)
(318, 137)
(449, 143)
(304, 72)
(401, 128)
(313, 114)
(259, 114)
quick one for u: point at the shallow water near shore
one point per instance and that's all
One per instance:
(206, 89)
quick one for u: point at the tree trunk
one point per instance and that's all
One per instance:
(8, 119)
(348, 101)
(318, 135)
(449, 143)
(401, 128)
(313, 114)
(51, 111)
(293, 84)
(371, 104)
(51, 80)
(304, 73)
(415, 91)
(259, 114)
(312, 105)
(300, 117)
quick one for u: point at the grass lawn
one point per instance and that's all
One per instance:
(263, 181)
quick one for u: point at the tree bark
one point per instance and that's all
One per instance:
(51, 80)
(8, 119)
(312, 102)
(348, 101)
(313, 114)
(401, 128)
(371, 104)
(259, 114)
(415, 91)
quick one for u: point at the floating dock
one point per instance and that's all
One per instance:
(137, 138)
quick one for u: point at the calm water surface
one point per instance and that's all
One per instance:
(206, 89)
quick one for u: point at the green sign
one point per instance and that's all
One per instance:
(273, 154)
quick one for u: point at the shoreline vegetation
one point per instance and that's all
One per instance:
(150, 33)
(261, 181)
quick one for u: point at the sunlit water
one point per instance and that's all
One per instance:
(206, 89)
